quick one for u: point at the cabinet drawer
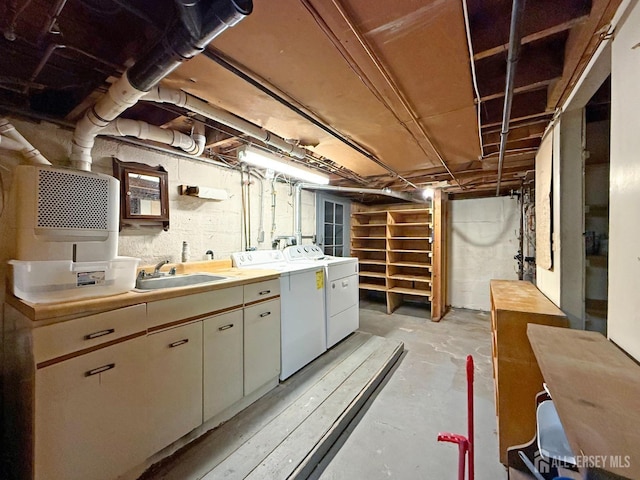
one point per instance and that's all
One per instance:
(165, 312)
(62, 338)
(261, 290)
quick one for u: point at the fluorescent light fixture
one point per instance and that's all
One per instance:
(261, 159)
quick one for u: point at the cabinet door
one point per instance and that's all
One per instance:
(90, 414)
(175, 383)
(261, 344)
(222, 362)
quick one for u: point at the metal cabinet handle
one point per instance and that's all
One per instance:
(178, 343)
(98, 370)
(264, 292)
(345, 283)
(101, 333)
(265, 314)
(225, 327)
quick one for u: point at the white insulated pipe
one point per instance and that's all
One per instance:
(160, 94)
(120, 96)
(11, 139)
(122, 127)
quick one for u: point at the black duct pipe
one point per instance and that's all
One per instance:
(199, 23)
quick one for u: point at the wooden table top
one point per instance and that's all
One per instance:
(595, 387)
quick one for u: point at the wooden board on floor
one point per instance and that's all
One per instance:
(295, 440)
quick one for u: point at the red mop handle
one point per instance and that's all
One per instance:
(470, 415)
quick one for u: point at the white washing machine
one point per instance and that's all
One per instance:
(302, 326)
(342, 315)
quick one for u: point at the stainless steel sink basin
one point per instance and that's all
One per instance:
(172, 281)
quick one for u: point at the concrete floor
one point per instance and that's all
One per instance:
(395, 435)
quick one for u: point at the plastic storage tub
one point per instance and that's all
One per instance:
(60, 280)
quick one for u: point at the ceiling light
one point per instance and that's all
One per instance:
(427, 192)
(261, 159)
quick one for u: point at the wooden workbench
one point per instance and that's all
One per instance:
(595, 387)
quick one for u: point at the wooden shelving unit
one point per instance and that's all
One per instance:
(394, 244)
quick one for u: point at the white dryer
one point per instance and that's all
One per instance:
(302, 326)
(342, 314)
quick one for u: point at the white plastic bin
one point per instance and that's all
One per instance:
(60, 280)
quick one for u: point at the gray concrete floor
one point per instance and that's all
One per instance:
(395, 435)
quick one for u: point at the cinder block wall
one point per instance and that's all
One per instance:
(205, 224)
(482, 240)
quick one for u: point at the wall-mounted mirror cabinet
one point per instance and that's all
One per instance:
(144, 194)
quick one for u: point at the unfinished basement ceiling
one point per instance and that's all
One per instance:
(389, 85)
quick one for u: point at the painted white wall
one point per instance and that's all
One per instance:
(482, 241)
(624, 215)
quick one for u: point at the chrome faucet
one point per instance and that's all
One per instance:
(159, 265)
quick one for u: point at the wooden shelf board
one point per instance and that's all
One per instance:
(412, 210)
(358, 249)
(410, 224)
(368, 238)
(364, 273)
(411, 278)
(409, 238)
(411, 291)
(597, 308)
(372, 212)
(368, 261)
(598, 260)
(395, 250)
(369, 225)
(410, 264)
(371, 286)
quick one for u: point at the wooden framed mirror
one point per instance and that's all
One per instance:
(144, 194)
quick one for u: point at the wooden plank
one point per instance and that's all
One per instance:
(520, 296)
(313, 436)
(438, 271)
(371, 286)
(261, 445)
(595, 387)
(410, 264)
(411, 291)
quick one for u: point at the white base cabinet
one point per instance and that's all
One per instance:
(95, 397)
(222, 362)
(90, 414)
(174, 378)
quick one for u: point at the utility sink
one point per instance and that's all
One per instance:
(172, 281)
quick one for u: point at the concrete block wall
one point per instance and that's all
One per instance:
(204, 224)
(482, 241)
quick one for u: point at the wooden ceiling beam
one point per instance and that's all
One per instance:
(539, 64)
(525, 132)
(524, 105)
(517, 145)
(489, 19)
(533, 37)
(544, 120)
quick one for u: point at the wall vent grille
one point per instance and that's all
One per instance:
(68, 200)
